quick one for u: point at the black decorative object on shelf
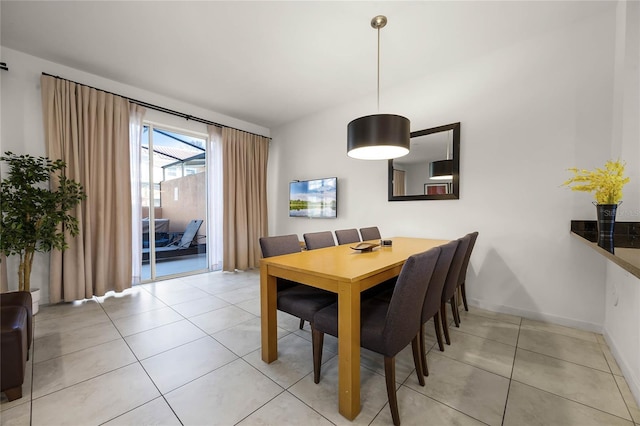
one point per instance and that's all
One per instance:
(606, 225)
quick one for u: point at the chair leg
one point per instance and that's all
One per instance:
(390, 377)
(417, 359)
(423, 350)
(463, 287)
(317, 338)
(13, 393)
(452, 301)
(301, 323)
(436, 323)
(457, 303)
(458, 296)
(445, 326)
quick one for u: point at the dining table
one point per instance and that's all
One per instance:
(346, 272)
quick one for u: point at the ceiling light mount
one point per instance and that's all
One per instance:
(379, 22)
(380, 136)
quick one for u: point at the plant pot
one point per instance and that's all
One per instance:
(606, 224)
(35, 300)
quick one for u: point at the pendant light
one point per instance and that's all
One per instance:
(442, 169)
(379, 136)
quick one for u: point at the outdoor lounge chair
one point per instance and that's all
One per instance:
(178, 247)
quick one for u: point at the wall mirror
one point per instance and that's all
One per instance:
(431, 170)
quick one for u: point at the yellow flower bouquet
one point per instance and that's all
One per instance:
(607, 183)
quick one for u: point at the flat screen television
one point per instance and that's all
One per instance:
(315, 198)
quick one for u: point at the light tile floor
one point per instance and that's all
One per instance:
(187, 351)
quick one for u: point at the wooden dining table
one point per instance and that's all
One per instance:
(344, 271)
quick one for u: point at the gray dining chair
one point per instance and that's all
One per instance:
(386, 327)
(370, 233)
(347, 236)
(462, 278)
(432, 305)
(316, 240)
(450, 286)
(294, 298)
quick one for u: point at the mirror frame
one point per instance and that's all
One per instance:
(455, 194)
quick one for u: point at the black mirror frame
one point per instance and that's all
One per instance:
(455, 193)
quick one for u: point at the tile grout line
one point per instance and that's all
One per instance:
(573, 401)
(122, 338)
(614, 378)
(513, 365)
(238, 357)
(561, 396)
(564, 360)
(287, 391)
(145, 371)
(434, 399)
(623, 398)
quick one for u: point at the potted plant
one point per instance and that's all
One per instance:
(35, 217)
(607, 184)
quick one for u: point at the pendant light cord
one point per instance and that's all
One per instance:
(378, 22)
(378, 70)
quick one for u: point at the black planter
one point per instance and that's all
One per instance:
(606, 225)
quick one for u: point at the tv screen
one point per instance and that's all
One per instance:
(313, 198)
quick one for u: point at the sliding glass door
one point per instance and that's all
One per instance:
(173, 203)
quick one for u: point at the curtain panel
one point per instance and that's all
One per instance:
(136, 125)
(244, 198)
(215, 198)
(89, 130)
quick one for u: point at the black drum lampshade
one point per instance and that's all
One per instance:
(378, 137)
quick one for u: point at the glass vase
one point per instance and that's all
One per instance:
(606, 225)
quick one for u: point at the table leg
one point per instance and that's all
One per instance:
(349, 350)
(268, 315)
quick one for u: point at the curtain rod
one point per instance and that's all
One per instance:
(159, 108)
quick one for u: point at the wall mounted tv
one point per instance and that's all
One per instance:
(315, 198)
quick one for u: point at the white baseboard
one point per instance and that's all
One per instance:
(537, 316)
(632, 381)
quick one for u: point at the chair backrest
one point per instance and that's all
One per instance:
(316, 240)
(279, 245)
(189, 233)
(451, 282)
(465, 263)
(405, 308)
(434, 292)
(347, 236)
(370, 233)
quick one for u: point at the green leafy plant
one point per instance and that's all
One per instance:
(35, 217)
(606, 183)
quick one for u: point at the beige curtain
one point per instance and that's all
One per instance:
(398, 182)
(89, 130)
(244, 164)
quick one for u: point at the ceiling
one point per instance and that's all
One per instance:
(270, 63)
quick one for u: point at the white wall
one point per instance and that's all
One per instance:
(622, 303)
(527, 112)
(622, 323)
(21, 128)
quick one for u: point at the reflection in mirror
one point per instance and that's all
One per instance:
(431, 170)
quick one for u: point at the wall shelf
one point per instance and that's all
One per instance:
(626, 240)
